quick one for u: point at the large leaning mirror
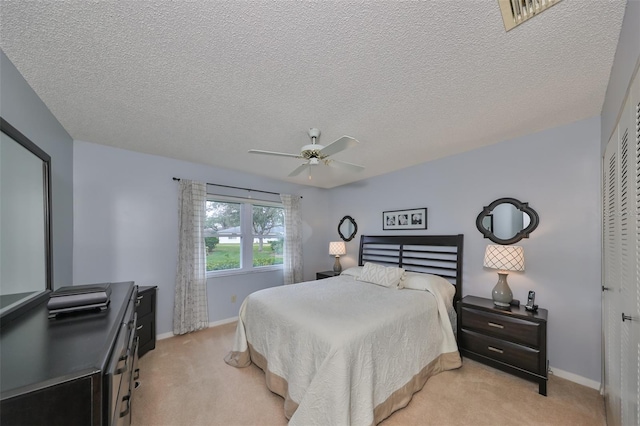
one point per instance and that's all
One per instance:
(25, 224)
(507, 221)
(347, 228)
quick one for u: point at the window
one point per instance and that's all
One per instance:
(243, 235)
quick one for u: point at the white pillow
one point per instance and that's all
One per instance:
(428, 282)
(386, 276)
(354, 271)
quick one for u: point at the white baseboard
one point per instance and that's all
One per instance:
(575, 378)
(223, 322)
(211, 324)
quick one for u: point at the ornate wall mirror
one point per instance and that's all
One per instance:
(507, 221)
(25, 246)
(347, 228)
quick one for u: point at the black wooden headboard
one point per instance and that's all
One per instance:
(432, 254)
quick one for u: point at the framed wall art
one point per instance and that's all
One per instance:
(404, 219)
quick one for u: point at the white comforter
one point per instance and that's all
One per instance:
(344, 346)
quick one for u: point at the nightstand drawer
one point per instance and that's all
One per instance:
(500, 350)
(501, 326)
(145, 304)
(326, 274)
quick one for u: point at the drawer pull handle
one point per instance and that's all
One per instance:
(493, 324)
(127, 399)
(492, 349)
(139, 327)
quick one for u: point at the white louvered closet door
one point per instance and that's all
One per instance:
(611, 287)
(630, 333)
(629, 170)
(621, 290)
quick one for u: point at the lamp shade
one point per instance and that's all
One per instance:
(337, 248)
(504, 258)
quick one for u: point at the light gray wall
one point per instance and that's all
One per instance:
(625, 62)
(558, 172)
(23, 109)
(126, 225)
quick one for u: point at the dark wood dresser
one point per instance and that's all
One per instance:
(146, 312)
(513, 340)
(71, 370)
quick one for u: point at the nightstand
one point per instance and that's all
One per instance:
(146, 322)
(512, 340)
(326, 274)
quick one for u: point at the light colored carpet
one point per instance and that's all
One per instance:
(185, 381)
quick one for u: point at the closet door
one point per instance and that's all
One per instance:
(621, 277)
(611, 289)
(628, 153)
(630, 267)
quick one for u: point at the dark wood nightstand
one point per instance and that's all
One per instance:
(512, 340)
(146, 324)
(326, 274)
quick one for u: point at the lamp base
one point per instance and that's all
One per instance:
(337, 267)
(501, 294)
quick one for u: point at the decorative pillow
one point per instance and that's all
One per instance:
(385, 276)
(428, 282)
(354, 271)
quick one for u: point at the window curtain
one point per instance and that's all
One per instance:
(292, 239)
(190, 311)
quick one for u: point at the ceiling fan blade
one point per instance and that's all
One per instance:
(278, 154)
(339, 145)
(299, 170)
(344, 165)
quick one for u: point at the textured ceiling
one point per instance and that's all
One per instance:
(205, 81)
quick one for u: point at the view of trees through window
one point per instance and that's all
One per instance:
(229, 244)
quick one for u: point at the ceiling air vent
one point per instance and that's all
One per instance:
(515, 12)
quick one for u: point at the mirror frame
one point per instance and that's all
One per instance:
(355, 228)
(523, 207)
(36, 298)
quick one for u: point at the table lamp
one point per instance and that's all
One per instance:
(504, 259)
(337, 249)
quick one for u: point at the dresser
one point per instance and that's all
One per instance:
(72, 370)
(146, 313)
(513, 340)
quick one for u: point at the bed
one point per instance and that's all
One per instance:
(352, 349)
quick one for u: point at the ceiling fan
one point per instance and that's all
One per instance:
(314, 153)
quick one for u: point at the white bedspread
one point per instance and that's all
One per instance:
(344, 346)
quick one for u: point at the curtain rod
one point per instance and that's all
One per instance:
(237, 187)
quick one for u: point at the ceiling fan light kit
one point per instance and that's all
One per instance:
(314, 153)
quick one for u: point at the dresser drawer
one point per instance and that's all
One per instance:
(500, 350)
(502, 326)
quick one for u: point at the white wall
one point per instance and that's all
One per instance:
(558, 172)
(626, 60)
(126, 221)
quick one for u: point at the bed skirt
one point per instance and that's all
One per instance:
(397, 400)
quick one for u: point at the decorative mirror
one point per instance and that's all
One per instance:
(347, 228)
(25, 249)
(507, 221)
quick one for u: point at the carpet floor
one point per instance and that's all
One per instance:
(185, 381)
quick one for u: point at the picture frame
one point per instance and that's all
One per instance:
(404, 219)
